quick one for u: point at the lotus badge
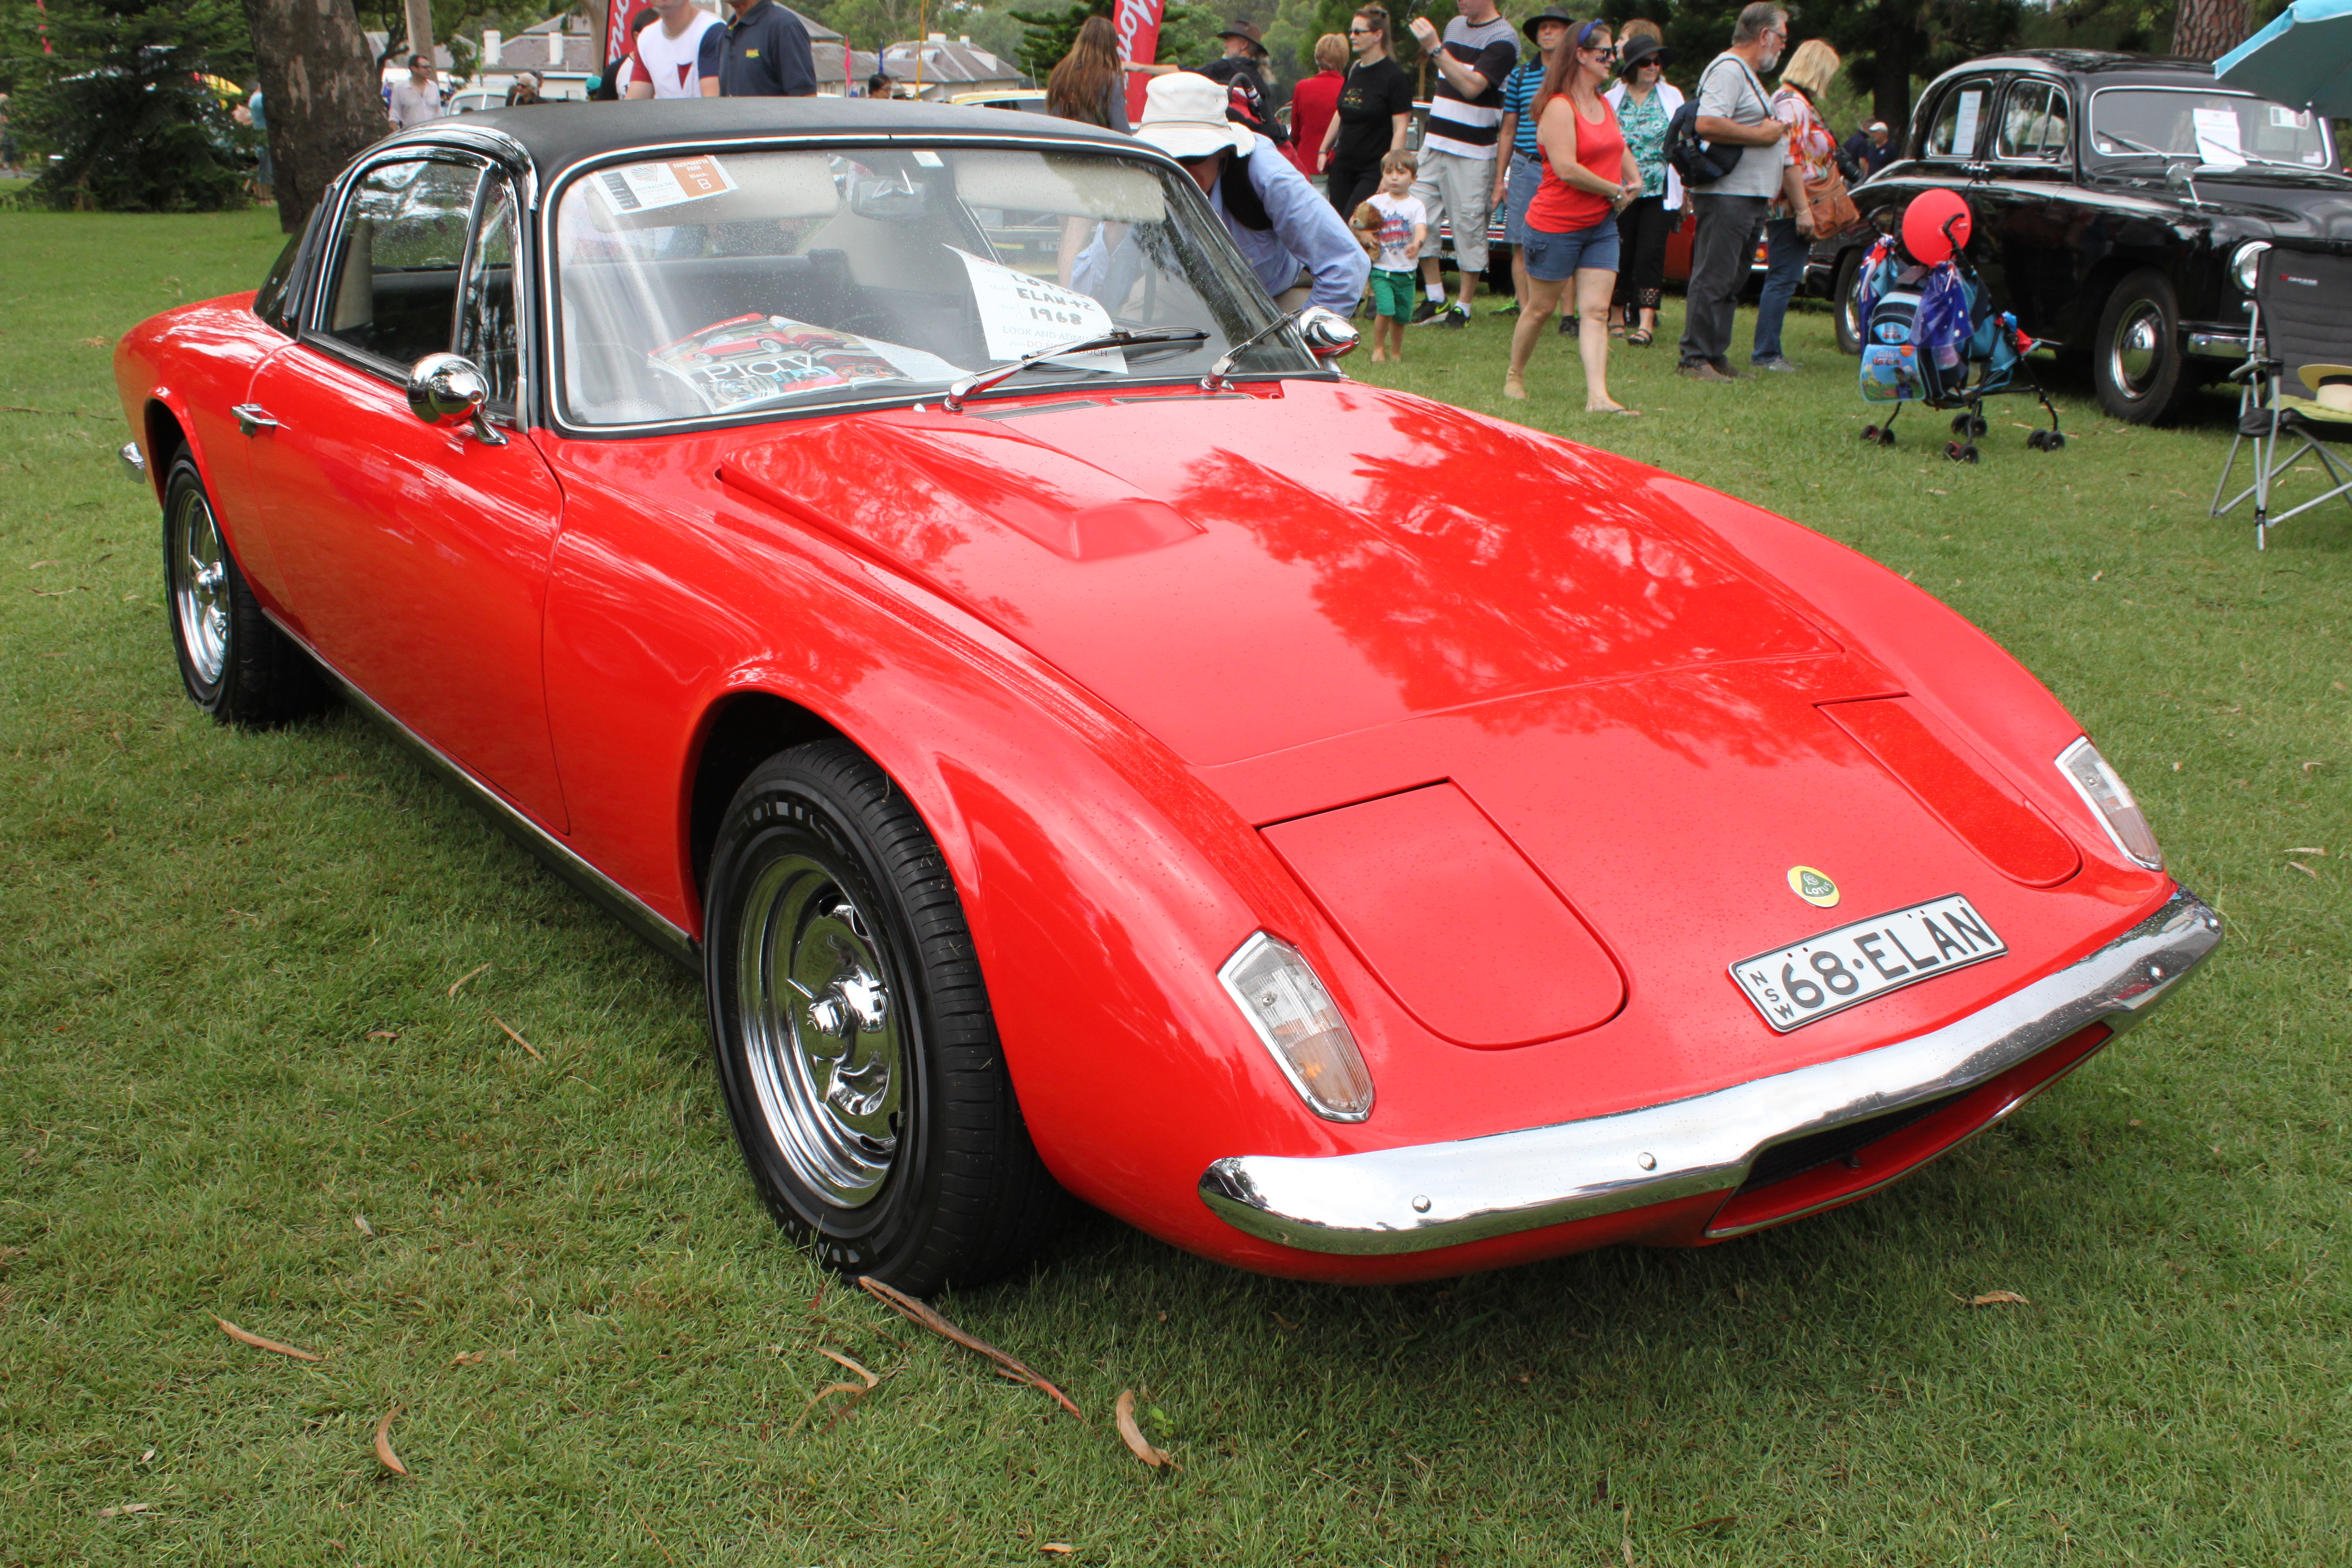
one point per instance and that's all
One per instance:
(1813, 886)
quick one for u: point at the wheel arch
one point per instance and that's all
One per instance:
(740, 732)
(165, 436)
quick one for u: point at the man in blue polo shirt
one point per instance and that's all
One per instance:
(767, 54)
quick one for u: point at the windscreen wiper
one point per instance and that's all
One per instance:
(1219, 372)
(1123, 339)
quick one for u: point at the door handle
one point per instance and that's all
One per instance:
(251, 419)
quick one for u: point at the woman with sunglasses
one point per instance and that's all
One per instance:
(1645, 104)
(1369, 122)
(1590, 176)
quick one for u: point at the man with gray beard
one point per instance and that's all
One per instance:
(1735, 111)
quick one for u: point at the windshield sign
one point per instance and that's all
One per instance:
(694, 286)
(2216, 128)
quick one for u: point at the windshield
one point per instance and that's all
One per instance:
(730, 284)
(2223, 127)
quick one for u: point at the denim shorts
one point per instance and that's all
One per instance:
(1526, 178)
(1556, 257)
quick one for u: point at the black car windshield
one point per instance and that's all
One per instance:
(724, 283)
(2227, 129)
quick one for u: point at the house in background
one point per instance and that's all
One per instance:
(948, 68)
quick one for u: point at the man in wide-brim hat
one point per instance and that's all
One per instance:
(1298, 247)
(1237, 69)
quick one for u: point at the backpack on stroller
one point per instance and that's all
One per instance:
(1929, 334)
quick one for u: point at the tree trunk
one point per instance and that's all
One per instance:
(2208, 29)
(420, 28)
(1890, 95)
(323, 96)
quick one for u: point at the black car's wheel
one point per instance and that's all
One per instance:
(2135, 356)
(1847, 292)
(856, 1047)
(236, 666)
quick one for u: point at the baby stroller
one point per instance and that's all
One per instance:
(1930, 334)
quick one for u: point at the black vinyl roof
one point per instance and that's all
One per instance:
(558, 135)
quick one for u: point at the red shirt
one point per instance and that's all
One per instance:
(1312, 102)
(1562, 208)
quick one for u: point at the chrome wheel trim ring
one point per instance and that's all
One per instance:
(2136, 349)
(821, 1031)
(1852, 305)
(200, 587)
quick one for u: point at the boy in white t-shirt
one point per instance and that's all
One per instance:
(679, 55)
(1404, 226)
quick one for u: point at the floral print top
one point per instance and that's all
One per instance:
(1643, 121)
(1810, 144)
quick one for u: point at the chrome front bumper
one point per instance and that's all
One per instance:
(1441, 1195)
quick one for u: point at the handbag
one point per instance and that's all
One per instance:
(1832, 207)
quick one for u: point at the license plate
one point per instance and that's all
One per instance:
(1792, 986)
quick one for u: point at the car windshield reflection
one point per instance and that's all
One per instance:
(2227, 129)
(716, 284)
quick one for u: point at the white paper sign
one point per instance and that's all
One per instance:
(644, 187)
(1020, 314)
(2217, 136)
(2285, 119)
(1964, 125)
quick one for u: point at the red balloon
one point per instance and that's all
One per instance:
(1934, 225)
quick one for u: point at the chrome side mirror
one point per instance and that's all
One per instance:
(1328, 334)
(449, 390)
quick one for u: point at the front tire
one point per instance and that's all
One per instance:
(235, 664)
(2137, 361)
(855, 1044)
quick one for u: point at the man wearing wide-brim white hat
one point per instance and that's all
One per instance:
(1300, 249)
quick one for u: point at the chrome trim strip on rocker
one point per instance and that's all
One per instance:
(556, 856)
(1428, 1195)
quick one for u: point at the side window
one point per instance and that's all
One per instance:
(487, 324)
(1953, 133)
(279, 295)
(2033, 123)
(393, 290)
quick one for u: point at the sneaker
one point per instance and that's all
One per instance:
(1452, 316)
(1423, 312)
(1786, 366)
(1568, 322)
(1510, 310)
(1701, 371)
(1725, 371)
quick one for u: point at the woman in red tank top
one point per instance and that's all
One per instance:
(1589, 177)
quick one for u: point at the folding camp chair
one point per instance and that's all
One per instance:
(2301, 341)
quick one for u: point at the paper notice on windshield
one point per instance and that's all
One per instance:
(2217, 136)
(646, 187)
(2285, 119)
(1964, 125)
(1020, 314)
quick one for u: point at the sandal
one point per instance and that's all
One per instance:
(1639, 338)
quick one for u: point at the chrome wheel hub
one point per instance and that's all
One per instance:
(200, 587)
(2138, 349)
(822, 1036)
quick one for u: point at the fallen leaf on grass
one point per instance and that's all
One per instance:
(2099, 573)
(2307, 767)
(469, 1357)
(1998, 1299)
(2304, 869)
(383, 1034)
(360, 1220)
(257, 1342)
(854, 1391)
(384, 1454)
(836, 1357)
(2308, 849)
(468, 975)
(517, 1040)
(1059, 1548)
(126, 1508)
(1935, 492)
(1132, 1436)
(908, 1306)
(147, 1457)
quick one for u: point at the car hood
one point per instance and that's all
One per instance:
(2293, 208)
(1244, 574)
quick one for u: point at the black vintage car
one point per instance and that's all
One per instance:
(2117, 201)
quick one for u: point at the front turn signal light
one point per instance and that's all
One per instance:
(2111, 801)
(1278, 992)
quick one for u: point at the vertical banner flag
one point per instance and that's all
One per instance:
(617, 36)
(1137, 22)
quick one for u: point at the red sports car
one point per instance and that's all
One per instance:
(1089, 746)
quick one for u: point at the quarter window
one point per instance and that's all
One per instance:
(488, 325)
(395, 281)
(2033, 123)
(1953, 133)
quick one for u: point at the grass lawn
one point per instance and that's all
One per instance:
(235, 1079)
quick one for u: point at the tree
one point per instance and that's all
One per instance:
(124, 108)
(2208, 29)
(322, 94)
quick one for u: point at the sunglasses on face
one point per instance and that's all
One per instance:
(1604, 51)
(1363, 32)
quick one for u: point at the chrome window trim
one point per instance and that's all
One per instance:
(2065, 158)
(1419, 1197)
(544, 236)
(664, 936)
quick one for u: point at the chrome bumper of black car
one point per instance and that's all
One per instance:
(1429, 1195)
